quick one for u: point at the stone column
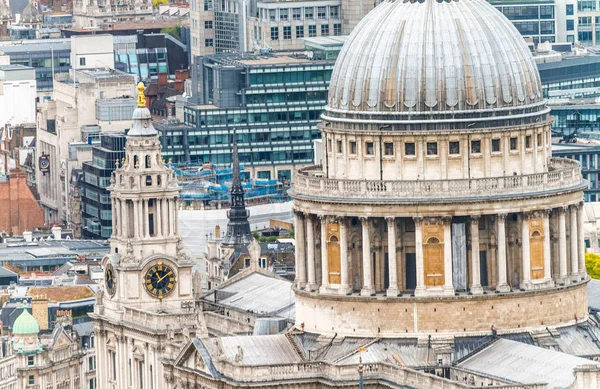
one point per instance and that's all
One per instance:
(125, 213)
(573, 225)
(172, 217)
(346, 287)
(324, 258)
(581, 236)
(547, 250)
(420, 288)
(562, 246)
(157, 218)
(136, 219)
(119, 217)
(165, 217)
(368, 288)
(146, 221)
(114, 217)
(310, 253)
(448, 285)
(176, 217)
(476, 276)
(526, 279)
(141, 218)
(501, 230)
(392, 261)
(300, 253)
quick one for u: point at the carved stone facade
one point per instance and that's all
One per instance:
(146, 312)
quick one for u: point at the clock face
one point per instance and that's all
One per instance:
(110, 280)
(44, 163)
(159, 280)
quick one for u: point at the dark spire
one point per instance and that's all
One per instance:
(238, 227)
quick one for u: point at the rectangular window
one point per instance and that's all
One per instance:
(324, 29)
(322, 13)
(141, 373)
(337, 29)
(31, 380)
(495, 145)
(309, 13)
(388, 148)
(208, 25)
(283, 14)
(334, 12)
(299, 31)
(454, 148)
(528, 142)
(208, 43)
(272, 15)
(297, 13)
(475, 146)
(312, 31)
(113, 359)
(369, 148)
(352, 147)
(570, 25)
(432, 148)
(81, 63)
(513, 143)
(274, 33)
(30, 361)
(340, 147)
(569, 9)
(287, 32)
(539, 140)
(409, 149)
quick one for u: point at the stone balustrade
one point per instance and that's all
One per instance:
(157, 320)
(562, 174)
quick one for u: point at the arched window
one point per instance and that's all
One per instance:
(433, 239)
(136, 161)
(333, 239)
(536, 234)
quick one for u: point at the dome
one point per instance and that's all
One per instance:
(26, 324)
(433, 57)
(142, 119)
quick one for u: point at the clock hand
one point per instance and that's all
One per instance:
(163, 277)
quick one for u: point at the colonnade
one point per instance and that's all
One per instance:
(132, 218)
(424, 261)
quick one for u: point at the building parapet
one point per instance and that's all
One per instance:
(562, 174)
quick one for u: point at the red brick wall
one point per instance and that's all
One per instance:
(19, 211)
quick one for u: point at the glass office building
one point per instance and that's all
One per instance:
(589, 157)
(96, 207)
(273, 102)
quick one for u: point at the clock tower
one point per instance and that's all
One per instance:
(146, 312)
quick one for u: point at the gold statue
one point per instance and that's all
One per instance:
(141, 97)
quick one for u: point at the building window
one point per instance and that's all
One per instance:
(272, 15)
(409, 149)
(432, 148)
(322, 13)
(495, 145)
(569, 9)
(324, 29)
(340, 148)
(337, 29)
(208, 5)
(528, 142)
(352, 147)
(454, 148)
(369, 148)
(283, 14)
(513, 143)
(334, 12)
(299, 31)
(208, 25)
(208, 43)
(287, 32)
(296, 13)
(312, 31)
(570, 25)
(31, 380)
(309, 13)
(388, 148)
(30, 361)
(475, 146)
(82, 61)
(539, 140)
(274, 33)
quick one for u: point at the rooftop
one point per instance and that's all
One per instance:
(62, 293)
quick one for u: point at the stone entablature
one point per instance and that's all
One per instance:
(563, 174)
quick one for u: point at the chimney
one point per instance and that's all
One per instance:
(179, 84)
(28, 235)
(57, 233)
(163, 79)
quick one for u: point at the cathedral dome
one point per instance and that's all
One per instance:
(433, 57)
(26, 324)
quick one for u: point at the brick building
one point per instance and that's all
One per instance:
(21, 211)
